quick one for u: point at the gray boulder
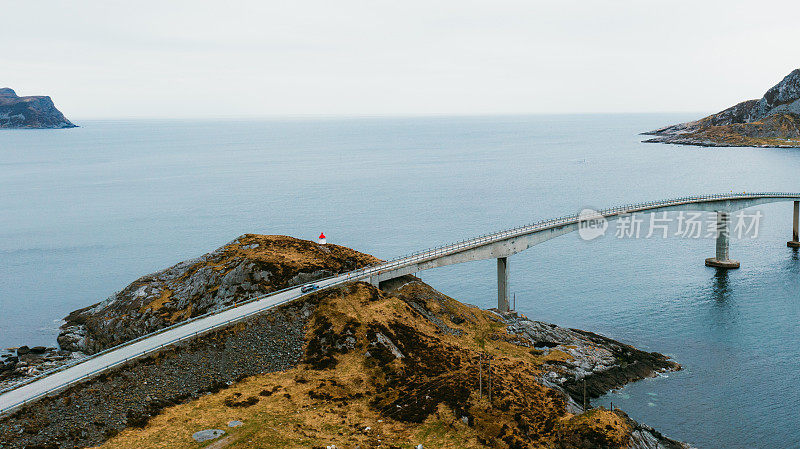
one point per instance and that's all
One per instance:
(207, 435)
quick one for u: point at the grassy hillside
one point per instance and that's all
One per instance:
(393, 368)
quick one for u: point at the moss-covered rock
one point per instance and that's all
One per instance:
(250, 266)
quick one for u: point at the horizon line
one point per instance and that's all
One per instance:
(373, 116)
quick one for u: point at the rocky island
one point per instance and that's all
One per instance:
(37, 112)
(771, 121)
(402, 365)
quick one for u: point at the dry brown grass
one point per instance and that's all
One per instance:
(349, 391)
(774, 130)
(291, 252)
(605, 428)
(296, 421)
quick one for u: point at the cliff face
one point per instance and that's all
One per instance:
(250, 266)
(29, 112)
(771, 121)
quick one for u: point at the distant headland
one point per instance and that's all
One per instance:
(37, 112)
(771, 121)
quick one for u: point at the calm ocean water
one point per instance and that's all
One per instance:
(88, 210)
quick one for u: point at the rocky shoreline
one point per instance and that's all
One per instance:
(602, 363)
(18, 365)
(705, 142)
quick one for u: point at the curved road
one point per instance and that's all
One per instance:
(498, 244)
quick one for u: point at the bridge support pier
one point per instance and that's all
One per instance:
(722, 260)
(502, 285)
(795, 242)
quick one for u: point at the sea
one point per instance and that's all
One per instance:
(85, 211)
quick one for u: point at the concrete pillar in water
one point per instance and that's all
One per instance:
(795, 243)
(722, 260)
(502, 284)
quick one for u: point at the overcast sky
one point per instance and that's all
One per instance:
(109, 59)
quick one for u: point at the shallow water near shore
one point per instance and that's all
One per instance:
(88, 210)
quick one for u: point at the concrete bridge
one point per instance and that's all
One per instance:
(503, 244)
(500, 246)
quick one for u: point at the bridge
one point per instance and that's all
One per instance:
(500, 246)
(503, 244)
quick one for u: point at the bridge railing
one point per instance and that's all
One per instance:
(632, 207)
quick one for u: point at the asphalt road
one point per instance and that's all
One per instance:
(35, 389)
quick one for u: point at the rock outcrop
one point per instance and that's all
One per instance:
(29, 112)
(771, 121)
(19, 364)
(349, 366)
(250, 266)
(602, 363)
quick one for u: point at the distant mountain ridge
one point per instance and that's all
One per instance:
(29, 112)
(771, 121)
